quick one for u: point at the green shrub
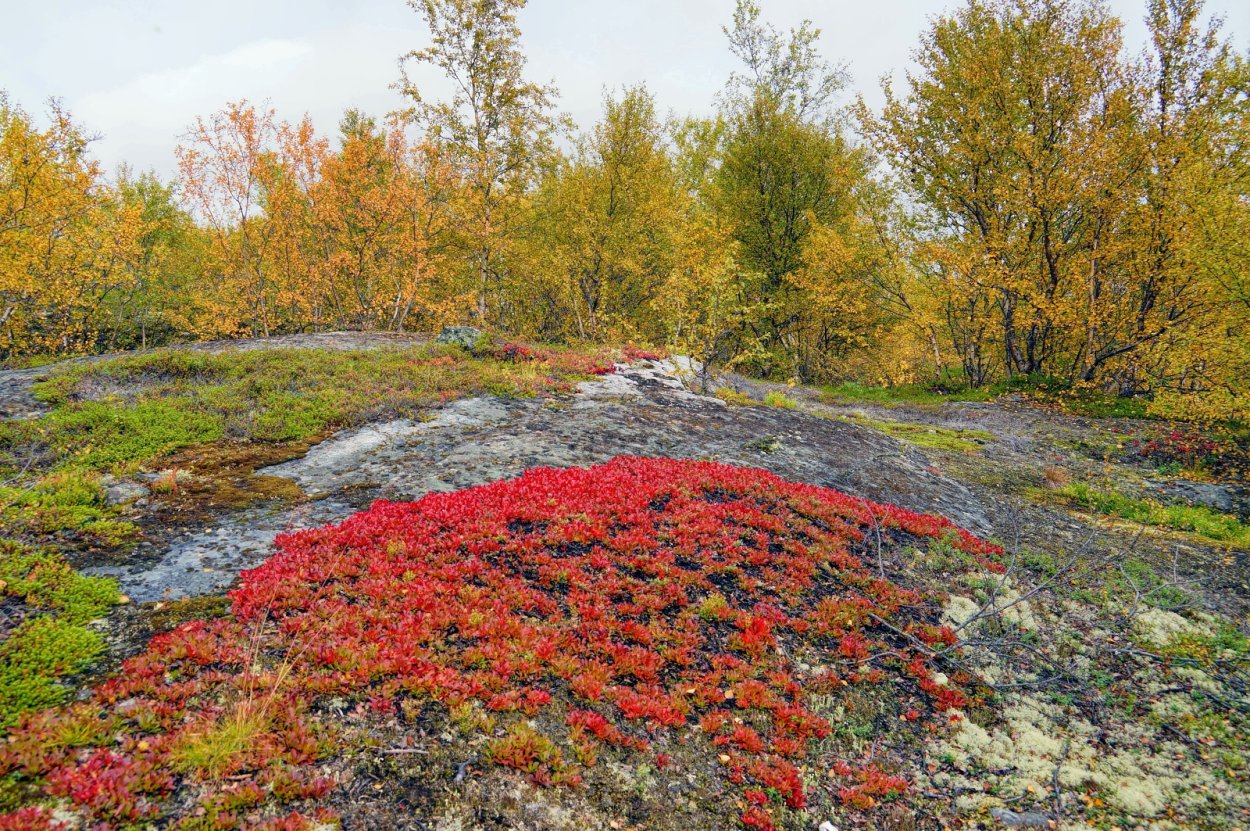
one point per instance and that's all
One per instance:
(55, 642)
(100, 435)
(776, 398)
(65, 500)
(32, 659)
(289, 416)
(732, 397)
(1195, 519)
(46, 581)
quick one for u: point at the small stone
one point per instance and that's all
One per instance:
(766, 444)
(123, 492)
(828, 826)
(466, 337)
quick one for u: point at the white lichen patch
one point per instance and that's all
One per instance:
(1026, 747)
(1159, 625)
(998, 598)
(524, 805)
(959, 610)
(1037, 742)
(1199, 679)
(1149, 778)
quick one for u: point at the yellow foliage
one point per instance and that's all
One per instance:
(66, 244)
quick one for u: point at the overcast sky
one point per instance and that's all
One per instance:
(137, 72)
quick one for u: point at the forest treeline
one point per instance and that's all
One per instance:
(1035, 201)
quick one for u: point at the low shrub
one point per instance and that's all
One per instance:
(34, 656)
(642, 601)
(53, 641)
(776, 398)
(1195, 519)
(1177, 451)
(733, 398)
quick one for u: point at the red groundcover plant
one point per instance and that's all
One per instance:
(1221, 457)
(642, 601)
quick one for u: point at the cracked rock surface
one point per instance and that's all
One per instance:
(642, 410)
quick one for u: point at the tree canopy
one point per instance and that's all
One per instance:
(1034, 201)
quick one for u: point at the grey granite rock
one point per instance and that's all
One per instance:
(642, 410)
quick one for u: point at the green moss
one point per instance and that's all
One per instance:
(776, 398)
(173, 613)
(55, 642)
(34, 657)
(924, 435)
(47, 582)
(64, 501)
(1227, 644)
(1194, 519)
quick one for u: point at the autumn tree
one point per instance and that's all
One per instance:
(224, 169)
(161, 300)
(1017, 136)
(306, 235)
(1186, 227)
(288, 173)
(605, 219)
(66, 240)
(1065, 187)
(496, 129)
(787, 183)
(701, 302)
(376, 218)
